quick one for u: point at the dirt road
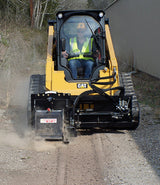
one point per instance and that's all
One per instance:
(109, 158)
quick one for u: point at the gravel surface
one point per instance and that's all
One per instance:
(120, 157)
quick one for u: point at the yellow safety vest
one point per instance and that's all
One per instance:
(86, 48)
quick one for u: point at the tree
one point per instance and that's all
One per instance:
(42, 10)
(31, 12)
(2, 7)
(34, 12)
(38, 11)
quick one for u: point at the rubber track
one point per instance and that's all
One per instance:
(37, 85)
(126, 82)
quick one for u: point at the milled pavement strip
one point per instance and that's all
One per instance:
(61, 165)
(99, 149)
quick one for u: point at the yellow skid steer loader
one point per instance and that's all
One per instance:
(71, 96)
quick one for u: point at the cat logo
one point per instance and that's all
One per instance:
(82, 86)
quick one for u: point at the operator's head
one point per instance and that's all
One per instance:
(81, 28)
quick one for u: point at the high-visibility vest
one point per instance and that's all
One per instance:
(86, 49)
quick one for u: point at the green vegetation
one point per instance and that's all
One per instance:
(4, 40)
(31, 12)
(147, 89)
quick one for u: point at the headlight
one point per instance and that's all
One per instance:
(60, 15)
(101, 14)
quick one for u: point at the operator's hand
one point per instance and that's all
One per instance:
(96, 53)
(65, 54)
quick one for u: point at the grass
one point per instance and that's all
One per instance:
(146, 86)
(148, 90)
(4, 40)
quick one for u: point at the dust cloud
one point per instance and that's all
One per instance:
(21, 59)
(28, 142)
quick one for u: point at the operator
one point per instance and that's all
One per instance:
(81, 53)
